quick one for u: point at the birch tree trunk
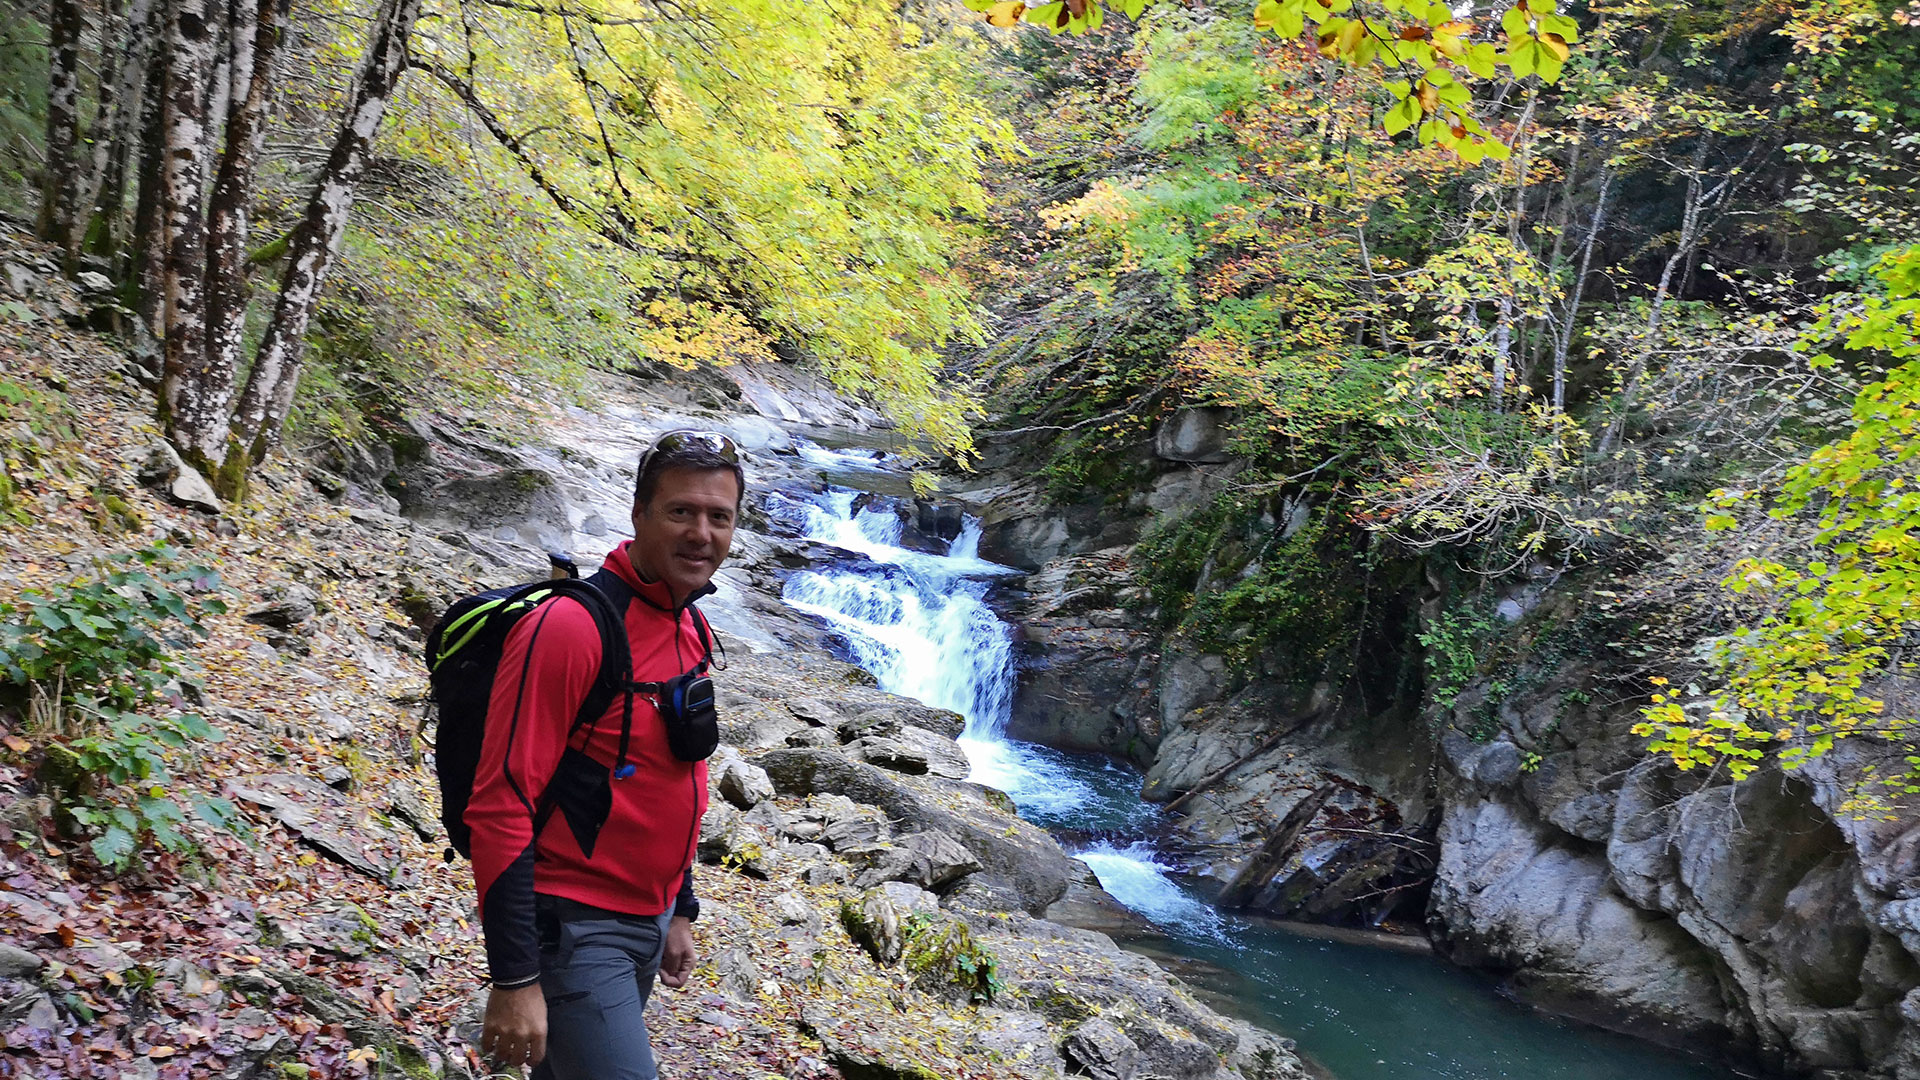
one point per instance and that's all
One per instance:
(193, 395)
(1502, 351)
(66, 21)
(1564, 340)
(103, 190)
(257, 35)
(316, 240)
(221, 15)
(147, 276)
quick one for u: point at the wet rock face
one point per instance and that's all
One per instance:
(1759, 917)
(517, 504)
(1087, 660)
(1507, 895)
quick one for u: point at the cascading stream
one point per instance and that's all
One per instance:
(922, 625)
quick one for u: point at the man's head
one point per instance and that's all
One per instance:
(686, 500)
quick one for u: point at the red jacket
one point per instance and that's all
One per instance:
(645, 851)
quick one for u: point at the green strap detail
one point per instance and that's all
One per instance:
(468, 626)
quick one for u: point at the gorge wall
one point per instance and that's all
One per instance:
(1507, 808)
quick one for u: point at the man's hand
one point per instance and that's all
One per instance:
(676, 961)
(515, 1032)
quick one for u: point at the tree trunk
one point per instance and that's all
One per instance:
(1502, 351)
(193, 395)
(1565, 339)
(257, 35)
(1259, 870)
(146, 281)
(1683, 250)
(66, 21)
(115, 127)
(316, 240)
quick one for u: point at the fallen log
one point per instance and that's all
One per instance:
(1266, 862)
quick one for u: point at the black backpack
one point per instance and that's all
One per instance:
(462, 656)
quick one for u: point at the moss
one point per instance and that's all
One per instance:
(1230, 581)
(1000, 800)
(230, 478)
(112, 514)
(944, 951)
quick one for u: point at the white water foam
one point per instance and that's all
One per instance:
(1136, 878)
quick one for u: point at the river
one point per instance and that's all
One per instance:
(922, 624)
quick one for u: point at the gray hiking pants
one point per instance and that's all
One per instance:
(596, 972)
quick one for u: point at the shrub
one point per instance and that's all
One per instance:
(1456, 642)
(95, 665)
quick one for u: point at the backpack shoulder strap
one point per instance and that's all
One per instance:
(705, 630)
(614, 588)
(616, 663)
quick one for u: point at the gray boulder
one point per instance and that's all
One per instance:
(1196, 435)
(1101, 1050)
(18, 963)
(889, 754)
(526, 504)
(874, 923)
(947, 860)
(740, 783)
(173, 478)
(1019, 854)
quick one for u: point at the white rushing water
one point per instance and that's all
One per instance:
(921, 624)
(1137, 878)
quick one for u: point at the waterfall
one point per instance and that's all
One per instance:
(921, 624)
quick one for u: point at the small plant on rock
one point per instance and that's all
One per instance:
(95, 666)
(945, 949)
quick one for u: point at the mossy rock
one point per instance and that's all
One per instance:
(944, 957)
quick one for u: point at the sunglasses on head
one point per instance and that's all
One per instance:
(675, 441)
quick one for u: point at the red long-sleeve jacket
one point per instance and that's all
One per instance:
(642, 860)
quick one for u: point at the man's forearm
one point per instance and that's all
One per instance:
(507, 923)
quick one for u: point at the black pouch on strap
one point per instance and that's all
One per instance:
(582, 790)
(686, 709)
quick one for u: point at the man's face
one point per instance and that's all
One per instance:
(681, 536)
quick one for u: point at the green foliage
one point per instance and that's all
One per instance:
(96, 664)
(1197, 71)
(725, 184)
(1430, 60)
(1831, 613)
(1233, 580)
(1457, 641)
(945, 949)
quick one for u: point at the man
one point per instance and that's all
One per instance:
(577, 924)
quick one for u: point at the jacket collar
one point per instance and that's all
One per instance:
(654, 593)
